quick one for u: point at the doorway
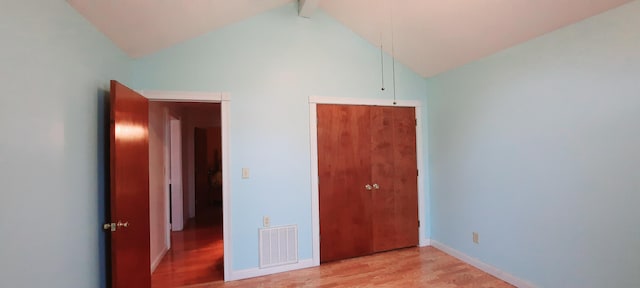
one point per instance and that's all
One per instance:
(193, 250)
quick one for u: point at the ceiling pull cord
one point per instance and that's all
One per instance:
(382, 65)
(393, 57)
(381, 50)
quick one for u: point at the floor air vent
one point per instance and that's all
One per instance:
(278, 246)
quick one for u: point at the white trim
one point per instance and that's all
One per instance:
(361, 101)
(177, 205)
(167, 177)
(225, 108)
(173, 96)
(422, 175)
(315, 201)
(156, 262)
(500, 274)
(313, 130)
(256, 272)
(425, 242)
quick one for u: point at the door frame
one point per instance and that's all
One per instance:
(225, 108)
(175, 172)
(167, 177)
(422, 170)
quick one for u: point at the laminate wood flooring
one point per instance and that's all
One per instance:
(410, 267)
(196, 260)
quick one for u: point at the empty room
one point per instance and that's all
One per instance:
(320, 143)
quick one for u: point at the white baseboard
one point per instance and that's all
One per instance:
(424, 242)
(158, 259)
(513, 280)
(255, 272)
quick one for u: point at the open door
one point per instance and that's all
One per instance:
(129, 198)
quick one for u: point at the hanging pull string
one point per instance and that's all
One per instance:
(393, 57)
(381, 50)
(382, 65)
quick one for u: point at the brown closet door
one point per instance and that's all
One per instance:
(344, 168)
(394, 170)
(383, 209)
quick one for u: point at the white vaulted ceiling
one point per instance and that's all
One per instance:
(429, 36)
(141, 27)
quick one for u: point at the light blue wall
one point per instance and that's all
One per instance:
(537, 149)
(271, 64)
(54, 68)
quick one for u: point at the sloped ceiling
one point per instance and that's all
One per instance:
(429, 36)
(141, 27)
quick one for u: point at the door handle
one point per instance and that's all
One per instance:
(376, 186)
(109, 227)
(114, 226)
(368, 187)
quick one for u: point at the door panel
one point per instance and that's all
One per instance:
(129, 198)
(344, 170)
(383, 174)
(406, 179)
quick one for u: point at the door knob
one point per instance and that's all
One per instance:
(122, 224)
(376, 186)
(368, 187)
(109, 226)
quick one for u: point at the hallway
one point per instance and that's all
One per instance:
(196, 254)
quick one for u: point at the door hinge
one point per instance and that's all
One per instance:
(418, 223)
(416, 122)
(418, 172)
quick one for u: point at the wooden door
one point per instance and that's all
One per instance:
(129, 197)
(344, 168)
(360, 145)
(394, 173)
(201, 172)
(382, 177)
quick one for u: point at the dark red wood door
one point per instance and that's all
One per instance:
(360, 145)
(406, 179)
(344, 168)
(129, 167)
(394, 177)
(382, 178)
(201, 173)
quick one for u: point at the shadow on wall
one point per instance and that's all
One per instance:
(103, 105)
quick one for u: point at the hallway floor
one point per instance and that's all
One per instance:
(196, 254)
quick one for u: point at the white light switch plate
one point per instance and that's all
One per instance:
(245, 173)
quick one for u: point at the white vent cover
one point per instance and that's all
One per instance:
(278, 246)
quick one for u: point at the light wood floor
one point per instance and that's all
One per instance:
(196, 257)
(410, 267)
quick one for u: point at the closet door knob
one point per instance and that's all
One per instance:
(376, 186)
(368, 187)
